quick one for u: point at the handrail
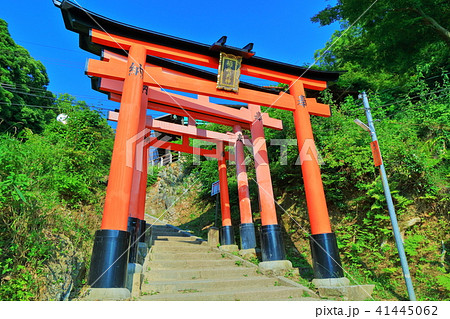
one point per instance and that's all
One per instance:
(165, 159)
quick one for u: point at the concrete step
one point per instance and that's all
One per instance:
(157, 229)
(182, 267)
(200, 273)
(299, 299)
(169, 233)
(186, 255)
(179, 244)
(177, 238)
(266, 293)
(183, 247)
(190, 263)
(166, 228)
(163, 226)
(201, 285)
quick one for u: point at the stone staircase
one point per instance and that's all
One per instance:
(180, 266)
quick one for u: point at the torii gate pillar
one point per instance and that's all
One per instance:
(142, 198)
(246, 228)
(109, 260)
(226, 231)
(272, 247)
(324, 249)
(136, 223)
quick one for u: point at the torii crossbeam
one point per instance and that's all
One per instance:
(200, 108)
(185, 132)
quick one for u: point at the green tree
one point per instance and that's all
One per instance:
(25, 101)
(51, 184)
(85, 145)
(388, 41)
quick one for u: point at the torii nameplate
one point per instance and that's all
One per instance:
(229, 72)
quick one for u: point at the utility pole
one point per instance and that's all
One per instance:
(387, 193)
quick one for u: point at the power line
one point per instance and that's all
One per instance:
(404, 100)
(10, 88)
(410, 98)
(10, 85)
(56, 107)
(48, 46)
(29, 105)
(33, 88)
(425, 79)
(64, 101)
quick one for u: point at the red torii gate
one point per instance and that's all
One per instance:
(243, 117)
(248, 240)
(202, 109)
(187, 132)
(139, 44)
(161, 77)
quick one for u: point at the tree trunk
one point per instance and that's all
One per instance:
(441, 30)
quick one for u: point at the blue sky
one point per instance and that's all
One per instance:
(280, 31)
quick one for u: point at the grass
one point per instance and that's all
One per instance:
(253, 260)
(187, 291)
(151, 293)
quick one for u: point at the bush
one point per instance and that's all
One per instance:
(41, 177)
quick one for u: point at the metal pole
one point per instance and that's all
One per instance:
(390, 204)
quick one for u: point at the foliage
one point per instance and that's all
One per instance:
(385, 45)
(41, 177)
(86, 144)
(414, 29)
(413, 135)
(25, 101)
(152, 176)
(401, 50)
(51, 172)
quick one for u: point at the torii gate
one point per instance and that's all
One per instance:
(228, 116)
(185, 132)
(202, 109)
(136, 226)
(140, 44)
(162, 77)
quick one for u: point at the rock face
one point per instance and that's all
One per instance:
(165, 194)
(64, 272)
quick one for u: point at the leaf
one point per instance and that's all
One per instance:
(20, 195)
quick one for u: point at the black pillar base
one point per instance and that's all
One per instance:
(325, 256)
(133, 229)
(272, 246)
(248, 237)
(142, 230)
(109, 259)
(227, 235)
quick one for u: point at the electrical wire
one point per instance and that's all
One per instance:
(56, 107)
(410, 98)
(403, 86)
(16, 91)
